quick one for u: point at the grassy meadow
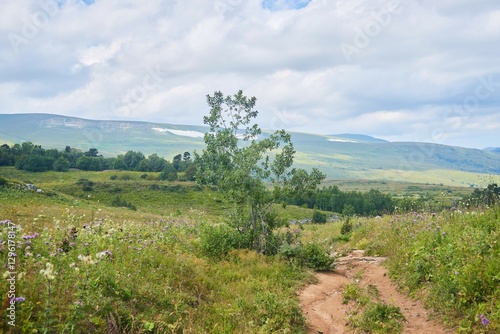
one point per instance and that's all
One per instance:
(83, 265)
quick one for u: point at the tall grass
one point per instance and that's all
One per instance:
(451, 260)
(85, 267)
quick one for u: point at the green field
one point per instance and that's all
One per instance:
(85, 266)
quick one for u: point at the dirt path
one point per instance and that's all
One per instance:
(325, 312)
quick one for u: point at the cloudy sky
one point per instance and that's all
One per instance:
(402, 70)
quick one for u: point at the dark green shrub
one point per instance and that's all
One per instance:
(86, 184)
(346, 227)
(311, 255)
(3, 182)
(113, 177)
(317, 258)
(118, 202)
(218, 241)
(318, 217)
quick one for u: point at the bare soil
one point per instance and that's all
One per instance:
(325, 312)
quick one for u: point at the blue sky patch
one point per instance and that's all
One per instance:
(275, 5)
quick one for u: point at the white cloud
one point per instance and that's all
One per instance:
(411, 65)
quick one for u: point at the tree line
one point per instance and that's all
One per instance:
(348, 203)
(33, 158)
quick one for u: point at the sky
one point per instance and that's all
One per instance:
(400, 70)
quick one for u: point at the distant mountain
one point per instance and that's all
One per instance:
(357, 138)
(343, 156)
(493, 149)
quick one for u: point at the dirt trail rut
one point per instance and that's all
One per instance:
(325, 312)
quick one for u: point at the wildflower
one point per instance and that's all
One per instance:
(73, 265)
(102, 255)
(48, 272)
(86, 259)
(484, 321)
(18, 299)
(456, 272)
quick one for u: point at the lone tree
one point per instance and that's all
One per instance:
(240, 162)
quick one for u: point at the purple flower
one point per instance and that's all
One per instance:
(18, 299)
(484, 321)
(456, 272)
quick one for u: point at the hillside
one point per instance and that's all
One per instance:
(343, 156)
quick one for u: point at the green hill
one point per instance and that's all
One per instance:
(339, 156)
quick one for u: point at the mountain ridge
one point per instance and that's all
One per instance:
(338, 156)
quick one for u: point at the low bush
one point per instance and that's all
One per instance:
(217, 241)
(318, 217)
(311, 255)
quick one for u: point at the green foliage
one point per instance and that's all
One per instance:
(86, 184)
(3, 182)
(346, 227)
(90, 163)
(318, 217)
(130, 272)
(488, 196)
(349, 210)
(316, 258)
(61, 165)
(118, 202)
(168, 173)
(237, 162)
(218, 240)
(382, 318)
(368, 313)
(349, 203)
(310, 255)
(35, 163)
(452, 257)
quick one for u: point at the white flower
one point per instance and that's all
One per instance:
(86, 259)
(49, 272)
